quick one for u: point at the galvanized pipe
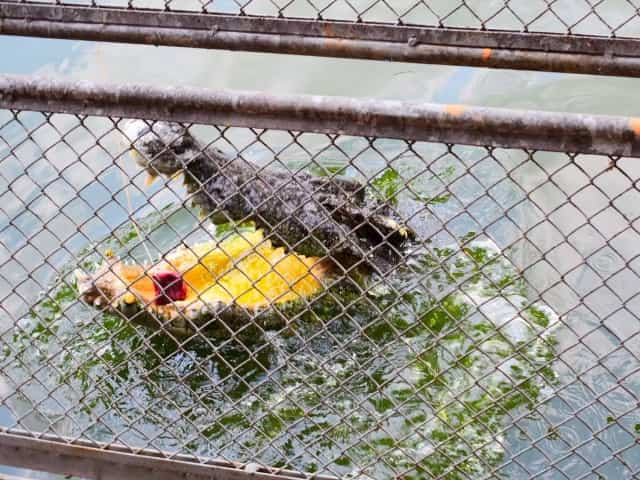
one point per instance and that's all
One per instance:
(115, 462)
(495, 49)
(593, 134)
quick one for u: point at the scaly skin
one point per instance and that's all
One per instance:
(314, 216)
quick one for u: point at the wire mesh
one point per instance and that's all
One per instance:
(501, 341)
(593, 17)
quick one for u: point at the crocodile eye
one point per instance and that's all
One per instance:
(169, 287)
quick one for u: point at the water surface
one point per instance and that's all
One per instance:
(506, 346)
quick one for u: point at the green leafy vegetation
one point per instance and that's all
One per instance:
(387, 185)
(390, 184)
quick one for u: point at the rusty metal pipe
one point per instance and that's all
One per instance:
(593, 134)
(494, 49)
(334, 47)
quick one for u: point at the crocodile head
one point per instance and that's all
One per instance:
(161, 147)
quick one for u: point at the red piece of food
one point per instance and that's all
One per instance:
(169, 287)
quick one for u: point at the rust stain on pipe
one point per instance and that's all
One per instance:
(634, 124)
(486, 54)
(454, 110)
(327, 30)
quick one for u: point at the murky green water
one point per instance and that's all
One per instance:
(482, 356)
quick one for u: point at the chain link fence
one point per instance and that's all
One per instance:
(496, 336)
(591, 17)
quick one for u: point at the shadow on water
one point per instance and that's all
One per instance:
(422, 374)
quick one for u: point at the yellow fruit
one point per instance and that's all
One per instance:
(244, 269)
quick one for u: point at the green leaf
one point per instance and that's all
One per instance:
(328, 170)
(388, 184)
(434, 200)
(538, 316)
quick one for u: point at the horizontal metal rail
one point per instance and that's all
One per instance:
(593, 134)
(495, 49)
(101, 461)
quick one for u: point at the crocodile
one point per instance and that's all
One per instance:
(325, 217)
